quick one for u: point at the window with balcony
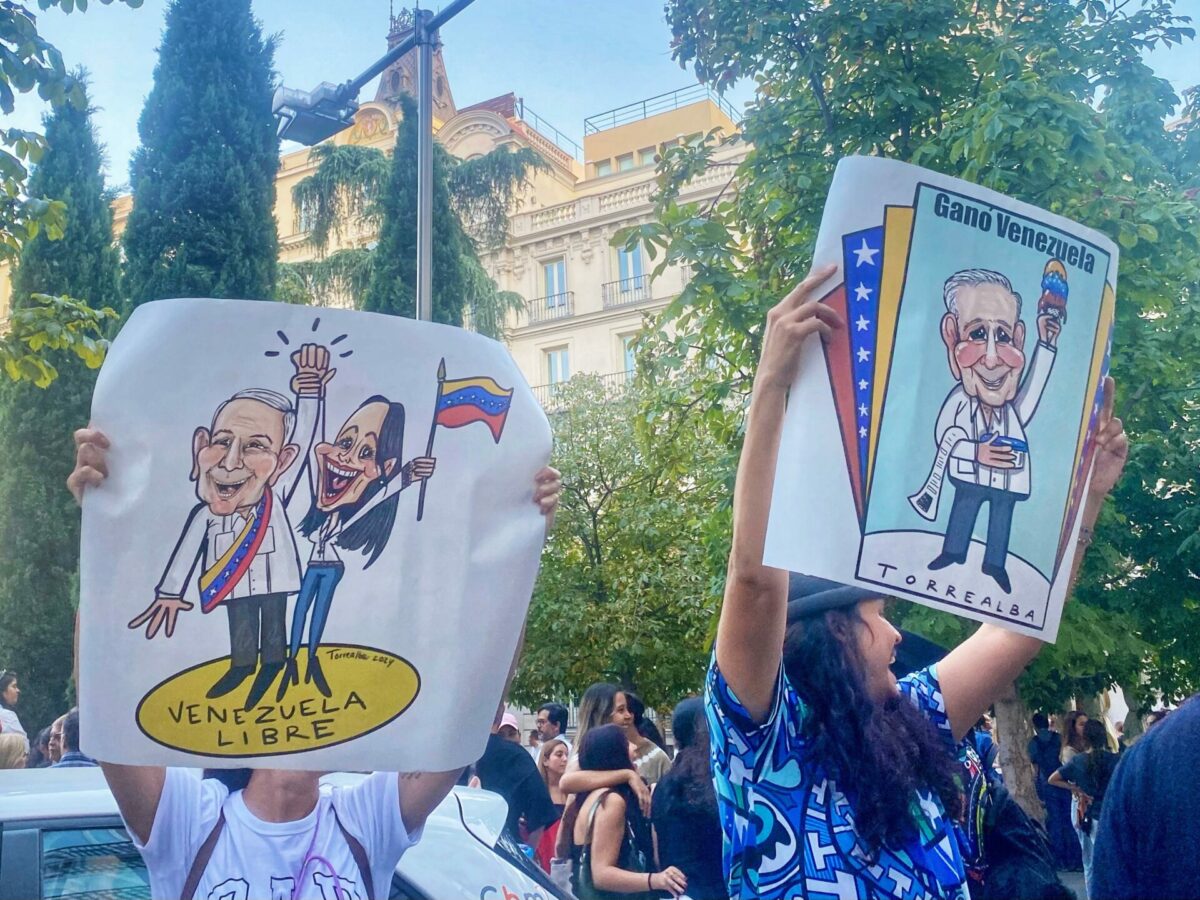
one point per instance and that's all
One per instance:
(633, 284)
(625, 162)
(629, 263)
(646, 156)
(554, 281)
(558, 365)
(604, 167)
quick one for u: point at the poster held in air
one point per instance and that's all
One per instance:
(311, 513)
(947, 433)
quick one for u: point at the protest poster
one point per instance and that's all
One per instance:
(945, 435)
(316, 544)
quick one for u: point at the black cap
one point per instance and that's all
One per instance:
(810, 596)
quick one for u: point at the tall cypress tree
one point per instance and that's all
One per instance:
(202, 223)
(393, 281)
(39, 524)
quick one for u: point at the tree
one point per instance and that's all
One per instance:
(622, 595)
(360, 189)
(203, 221)
(39, 525)
(1046, 101)
(45, 323)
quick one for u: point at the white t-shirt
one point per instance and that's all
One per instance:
(257, 860)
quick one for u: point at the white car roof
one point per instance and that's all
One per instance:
(27, 794)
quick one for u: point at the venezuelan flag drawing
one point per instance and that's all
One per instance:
(465, 400)
(873, 264)
(461, 401)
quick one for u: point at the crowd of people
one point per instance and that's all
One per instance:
(806, 769)
(54, 747)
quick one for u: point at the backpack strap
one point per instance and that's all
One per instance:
(203, 855)
(359, 853)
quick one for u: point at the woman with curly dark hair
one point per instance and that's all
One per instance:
(833, 778)
(687, 828)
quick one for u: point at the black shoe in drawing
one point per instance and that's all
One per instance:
(229, 681)
(999, 574)
(263, 680)
(947, 559)
(314, 674)
(291, 675)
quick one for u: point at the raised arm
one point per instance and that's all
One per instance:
(754, 614)
(978, 671)
(137, 789)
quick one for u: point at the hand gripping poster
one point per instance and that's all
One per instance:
(316, 543)
(945, 435)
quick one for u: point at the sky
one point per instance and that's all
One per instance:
(567, 58)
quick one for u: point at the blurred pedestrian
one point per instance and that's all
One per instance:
(10, 695)
(506, 769)
(12, 751)
(551, 764)
(611, 847)
(71, 757)
(1044, 749)
(39, 750)
(687, 826)
(55, 745)
(1087, 776)
(552, 722)
(650, 758)
(510, 728)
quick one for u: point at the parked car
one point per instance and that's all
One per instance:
(61, 836)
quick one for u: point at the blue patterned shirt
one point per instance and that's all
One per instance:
(789, 831)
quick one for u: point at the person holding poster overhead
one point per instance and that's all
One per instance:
(833, 778)
(279, 836)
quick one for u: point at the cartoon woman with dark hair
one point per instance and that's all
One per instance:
(356, 483)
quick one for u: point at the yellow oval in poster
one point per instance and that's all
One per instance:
(368, 689)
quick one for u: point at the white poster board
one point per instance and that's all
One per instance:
(332, 608)
(945, 435)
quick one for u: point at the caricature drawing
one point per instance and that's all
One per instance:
(244, 470)
(355, 487)
(980, 431)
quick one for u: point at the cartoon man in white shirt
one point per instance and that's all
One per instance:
(239, 531)
(980, 431)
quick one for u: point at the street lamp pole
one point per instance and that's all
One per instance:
(426, 40)
(310, 117)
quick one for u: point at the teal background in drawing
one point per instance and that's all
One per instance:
(920, 379)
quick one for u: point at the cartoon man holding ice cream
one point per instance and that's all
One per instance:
(980, 431)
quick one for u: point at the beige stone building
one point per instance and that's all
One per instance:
(585, 299)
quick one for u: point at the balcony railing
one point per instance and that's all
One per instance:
(626, 291)
(551, 395)
(652, 106)
(555, 306)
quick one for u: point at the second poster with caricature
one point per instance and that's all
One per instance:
(947, 431)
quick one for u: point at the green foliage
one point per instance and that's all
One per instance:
(623, 594)
(39, 524)
(203, 221)
(1047, 101)
(43, 323)
(344, 191)
(360, 189)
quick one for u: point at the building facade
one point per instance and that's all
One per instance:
(585, 299)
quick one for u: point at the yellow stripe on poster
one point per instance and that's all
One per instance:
(1108, 306)
(897, 233)
(483, 381)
